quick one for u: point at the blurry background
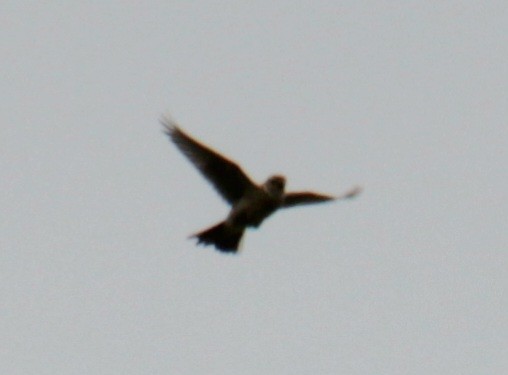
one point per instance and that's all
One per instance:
(409, 100)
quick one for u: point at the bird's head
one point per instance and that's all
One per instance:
(275, 185)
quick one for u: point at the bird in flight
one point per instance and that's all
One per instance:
(250, 203)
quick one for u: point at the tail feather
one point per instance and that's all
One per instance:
(224, 237)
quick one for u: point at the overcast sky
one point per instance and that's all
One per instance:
(407, 99)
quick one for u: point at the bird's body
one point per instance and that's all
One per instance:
(250, 203)
(255, 206)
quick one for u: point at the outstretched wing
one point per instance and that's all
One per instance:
(305, 197)
(308, 197)
(226, 176)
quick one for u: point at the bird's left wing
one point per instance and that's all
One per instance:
(308, 197)
(225, 175)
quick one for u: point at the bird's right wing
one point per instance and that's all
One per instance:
(225, 175)
(308, 197)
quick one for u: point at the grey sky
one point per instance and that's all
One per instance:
(408, 100)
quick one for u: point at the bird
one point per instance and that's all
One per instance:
(250, 203)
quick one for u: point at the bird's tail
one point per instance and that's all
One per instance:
(224, 237)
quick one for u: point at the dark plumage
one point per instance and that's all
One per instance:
(250, 203)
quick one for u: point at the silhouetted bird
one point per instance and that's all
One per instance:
(250, 203)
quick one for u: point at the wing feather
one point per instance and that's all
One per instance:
(305, 197)
(225, 175)
(308, 197)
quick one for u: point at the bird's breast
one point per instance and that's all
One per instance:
(252, 210)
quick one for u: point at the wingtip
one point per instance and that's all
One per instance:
(350, 194)
(169, 124)
(353, 192)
